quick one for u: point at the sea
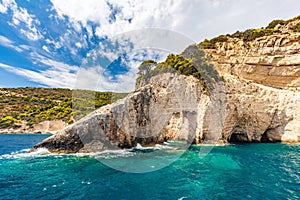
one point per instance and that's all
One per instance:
(169, 171)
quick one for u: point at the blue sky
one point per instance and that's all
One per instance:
(52, 43)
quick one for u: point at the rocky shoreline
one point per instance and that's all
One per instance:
(45, 127)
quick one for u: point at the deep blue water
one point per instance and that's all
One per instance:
(252, 171)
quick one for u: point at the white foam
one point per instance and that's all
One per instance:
(158, 146)
(40, 151)
(24, 153)
(108, 154)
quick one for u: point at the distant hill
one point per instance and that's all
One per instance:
(34, 105)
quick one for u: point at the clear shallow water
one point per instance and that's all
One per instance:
(254, 171)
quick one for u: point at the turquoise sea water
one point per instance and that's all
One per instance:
(252, 171)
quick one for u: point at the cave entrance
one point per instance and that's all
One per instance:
(271, 135)
(239, 137)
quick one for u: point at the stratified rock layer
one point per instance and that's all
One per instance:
(271, 60)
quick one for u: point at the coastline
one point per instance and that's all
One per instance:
(27, 133)
(45, 127)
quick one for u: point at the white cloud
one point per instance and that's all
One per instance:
(56, 44)
(50, 72)
(59, 66)
(197, 19)
(52, 78)
(8, 43)
(95, 78)
(82, 11)
(25, 47)
(45, 48)
(3, 9)
(32, 34)
(5, 41)
(78, 44)
(21, 15)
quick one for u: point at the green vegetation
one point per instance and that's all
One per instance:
(251, 34)
(274, 23)
(191, 62)
(210, 44)
(173, 63)
(148, 62)
(34, 105)
(9, 121)
(248, 35)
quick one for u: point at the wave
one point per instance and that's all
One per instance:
(107, 154)
(25, 153)
(111, 154)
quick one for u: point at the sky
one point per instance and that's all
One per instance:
(98, 44)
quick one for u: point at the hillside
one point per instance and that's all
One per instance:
(30, 106)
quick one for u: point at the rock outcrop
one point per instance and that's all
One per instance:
(45, 127)
(256, 100)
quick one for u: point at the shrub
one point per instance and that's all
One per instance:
(274, 23)
(192, 61)
(210, 44)
(250, 34)
(9, 121)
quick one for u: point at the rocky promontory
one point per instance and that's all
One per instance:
(236, 91)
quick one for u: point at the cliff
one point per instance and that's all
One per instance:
(263, 83)
(237, 91)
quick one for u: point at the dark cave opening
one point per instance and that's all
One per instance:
(239, 137)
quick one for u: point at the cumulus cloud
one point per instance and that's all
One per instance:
(197, 19)
(130, 48)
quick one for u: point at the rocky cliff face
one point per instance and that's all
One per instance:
(257, 113)
(257, 100)
(262, 83)
(170, 107)
(270, 60)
